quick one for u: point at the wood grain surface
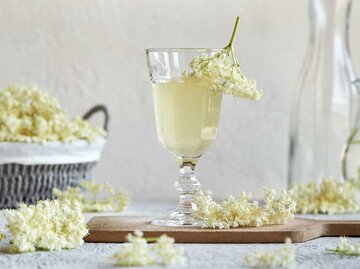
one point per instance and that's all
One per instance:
(114, 229)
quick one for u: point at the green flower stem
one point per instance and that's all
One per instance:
(234, 57)
(346, 152)
(151, 239)
(342, 252)
(230, 45)
(234, 31)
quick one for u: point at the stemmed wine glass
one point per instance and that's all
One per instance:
(187, 115)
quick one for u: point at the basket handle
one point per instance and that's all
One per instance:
(96, 109)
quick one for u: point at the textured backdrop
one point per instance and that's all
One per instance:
(86, 52)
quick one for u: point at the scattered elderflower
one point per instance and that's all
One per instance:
(233, 212)
(329, 197)
(2, 235)
(31, 116)
(165, 250)
(48, 225)
(344, 247)
(282, 257)
(114, 200)
(224, 71)
(136, 252)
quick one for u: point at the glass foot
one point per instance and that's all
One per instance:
(178, 219)
(187, 186)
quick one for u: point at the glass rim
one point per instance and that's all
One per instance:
(183, 50)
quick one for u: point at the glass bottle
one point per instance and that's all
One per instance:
(351, 153)
(325, 101)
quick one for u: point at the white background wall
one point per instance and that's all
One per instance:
(87, 52)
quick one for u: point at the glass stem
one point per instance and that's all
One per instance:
(187, 185)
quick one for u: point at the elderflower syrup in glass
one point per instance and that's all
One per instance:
(187, 115)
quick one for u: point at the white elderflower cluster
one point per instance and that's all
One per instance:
(164, 248)
(344, 247)
(112, 200)
(224, 72)
(329, 197)
(31, 116)
(282, 257)
(136, 251)
(233, 212)
(48, 225)
(226, 77)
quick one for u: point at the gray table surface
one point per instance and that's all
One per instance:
(310, 254)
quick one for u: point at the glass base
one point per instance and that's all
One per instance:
(187, 187)
(178, 219)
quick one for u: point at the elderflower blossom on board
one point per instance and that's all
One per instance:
(136, 251)
(226, 77)
(48, 225)
(232, 213)
(331, 196)
(29, 115)
(281, 257)
(344, 247)
(114, 200)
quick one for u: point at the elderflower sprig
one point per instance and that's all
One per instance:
(344, 247)
(232, 213)
(113, 200)
(29, 115)
(136, 251)
(331, 196)
(224, 71)
(48, 225)
(282, 257)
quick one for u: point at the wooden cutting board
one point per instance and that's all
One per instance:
(114, 229)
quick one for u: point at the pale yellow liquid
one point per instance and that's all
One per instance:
(187, 116)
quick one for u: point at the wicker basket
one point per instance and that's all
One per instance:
(31, 183)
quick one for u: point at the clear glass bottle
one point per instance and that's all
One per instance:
(351, 153)
(325, 100)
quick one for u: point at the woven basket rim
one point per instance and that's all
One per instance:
(80, 151)
(57, 142)
(49, 163)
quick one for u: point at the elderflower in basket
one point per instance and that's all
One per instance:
(41, 148)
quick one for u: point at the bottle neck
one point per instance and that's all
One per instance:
(329, 22)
